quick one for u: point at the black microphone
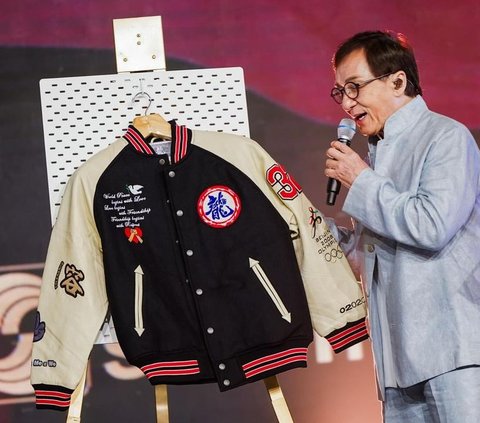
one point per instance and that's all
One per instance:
(345, 133)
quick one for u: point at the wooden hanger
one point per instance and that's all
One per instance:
(153, 125)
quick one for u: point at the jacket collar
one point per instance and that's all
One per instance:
(181, 141)
(403, 118)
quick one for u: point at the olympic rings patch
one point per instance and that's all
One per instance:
(333, 255)
(219, 206)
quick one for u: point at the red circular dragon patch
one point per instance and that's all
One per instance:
(219, 206)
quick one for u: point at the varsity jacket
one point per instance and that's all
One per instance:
(209, 257)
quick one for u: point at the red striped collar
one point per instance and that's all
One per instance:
(181, 140)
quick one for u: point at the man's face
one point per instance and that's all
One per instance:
(376, 100)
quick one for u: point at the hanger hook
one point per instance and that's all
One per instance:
(143, 93)
(150, 99)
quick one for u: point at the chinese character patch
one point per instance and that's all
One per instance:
(71, 282)
(219, 206)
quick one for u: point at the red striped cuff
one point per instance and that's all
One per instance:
(347, 336)
(52, 397)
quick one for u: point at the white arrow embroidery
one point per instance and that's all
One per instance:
(255, 266)
(139, 300)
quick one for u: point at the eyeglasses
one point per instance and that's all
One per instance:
(351, 89)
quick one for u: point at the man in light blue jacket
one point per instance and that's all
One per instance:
(416, 207)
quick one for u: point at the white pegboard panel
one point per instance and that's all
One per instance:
(82, 115)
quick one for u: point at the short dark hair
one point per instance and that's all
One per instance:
(386, 52)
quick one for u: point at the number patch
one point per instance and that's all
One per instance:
(285, 186)
(352, 305)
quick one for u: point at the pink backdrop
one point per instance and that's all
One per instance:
(284, 46)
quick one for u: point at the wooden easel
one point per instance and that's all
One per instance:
(161, 401)
(139, 47)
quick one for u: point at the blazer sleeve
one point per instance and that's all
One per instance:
(439, 200)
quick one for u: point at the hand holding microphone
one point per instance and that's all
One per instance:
(345, 133)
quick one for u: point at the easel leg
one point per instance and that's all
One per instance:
(75, 410)
(278, 400)
(161, 403)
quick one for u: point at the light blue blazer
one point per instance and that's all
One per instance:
(418, 217)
